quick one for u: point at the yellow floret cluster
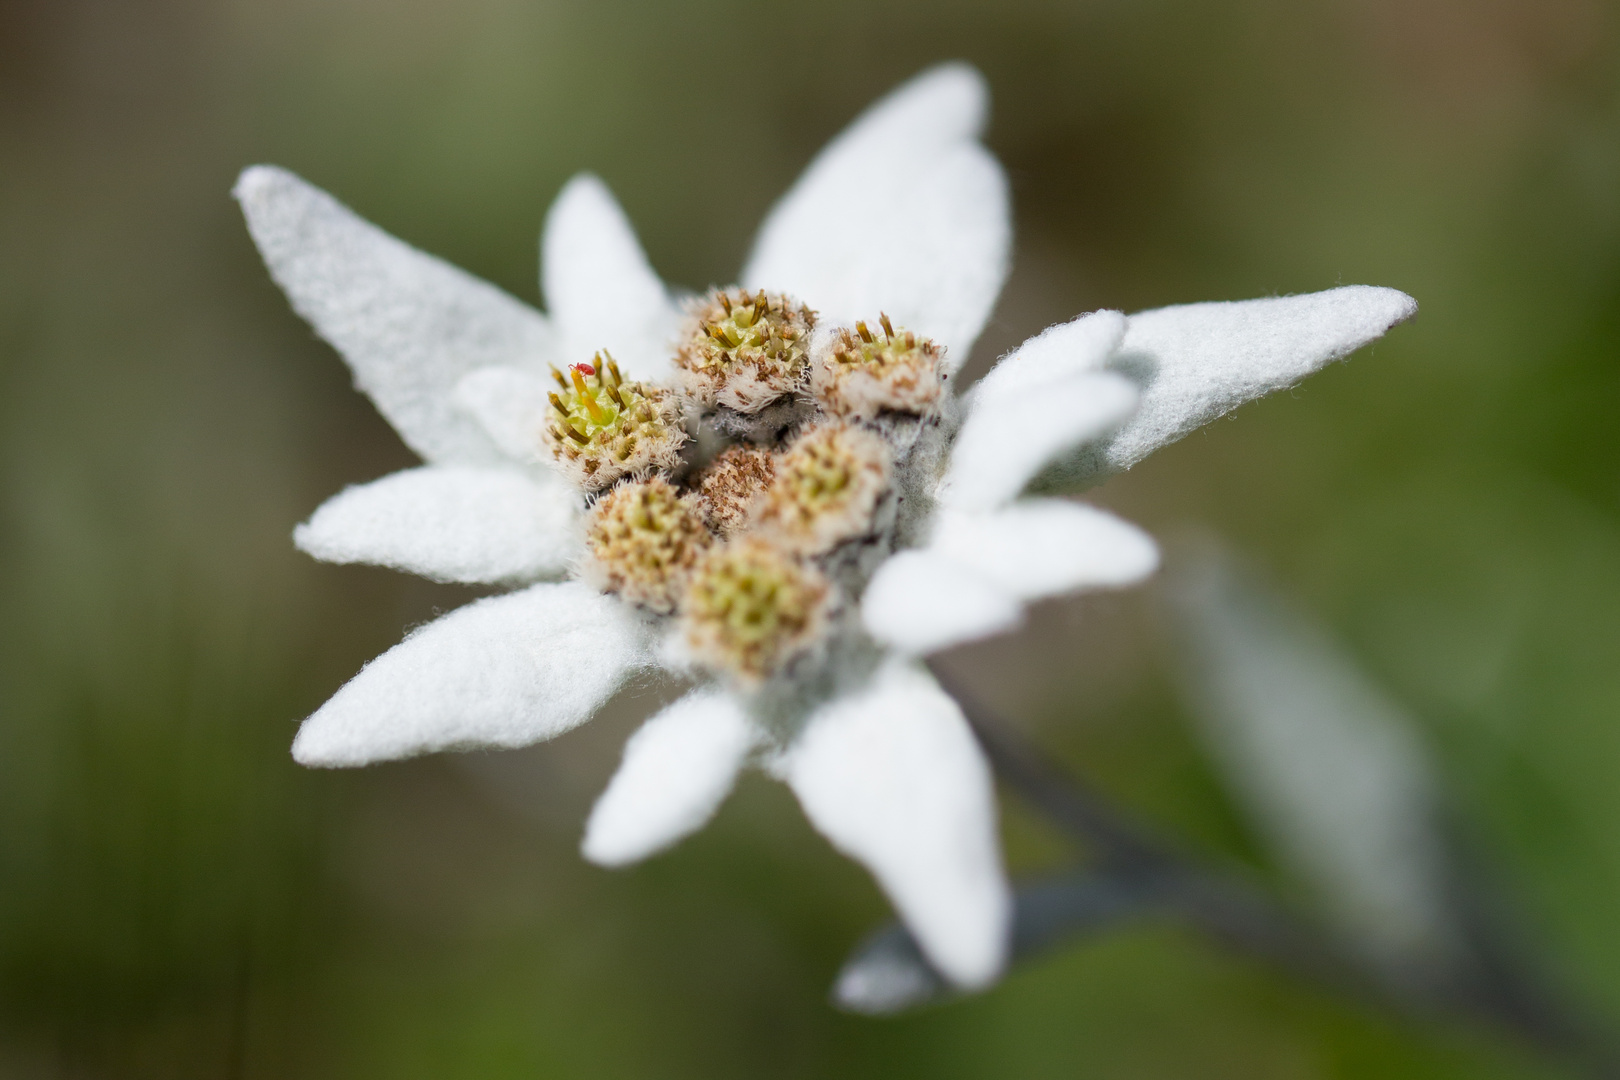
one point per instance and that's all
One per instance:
(743, 352)
(859, 373)
(731, 500)
(643, 538)
(603, 426)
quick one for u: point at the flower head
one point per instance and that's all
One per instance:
(856, 517)
(728, 488)
(744, 351)
(643, 538)
(750, 608)
(824, 488)
(606, 426)
(860, 372)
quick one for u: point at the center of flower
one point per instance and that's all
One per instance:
(750, 608)
(604, 426)
(756, 533)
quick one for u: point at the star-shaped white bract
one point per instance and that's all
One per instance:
(905, 213)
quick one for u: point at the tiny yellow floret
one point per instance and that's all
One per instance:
(750, 609)
(644, 538)
(825, 490)
(744, 351)
(603, 426)
(861, 372)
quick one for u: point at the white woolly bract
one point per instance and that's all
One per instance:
(601, 292)
(1055, 355)
(1196, 362)
(1328, 766)
(893, 777)
(1007, 439)
(676, 771)
(512, 407)
(506, 671)
(409, 325)
(904, 213)
(920, 602)
(1046, 547)
(450, 523)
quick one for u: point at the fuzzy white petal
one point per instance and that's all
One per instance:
(511, 405)
(677, 769)
(904, 213)
(1008, 438)
(409, 325)
(1056, 354)
(893, 777)
(601, 291)
(506, 671)
(920, 602)
(1046, 547)
(450, 523)
(1199, 361)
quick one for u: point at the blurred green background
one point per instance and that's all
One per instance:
(178, 900)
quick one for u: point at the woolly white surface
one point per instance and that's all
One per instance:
(511, 406)
(904, 212)
(1055, 355)
(1008, 438)
(600, 289)
(408, 324)
(450, 523)
(919, 602)
(506, 671)
(893, 777)
(1044, 547)
(676, 771)
(1328, 767)
(1203, 360)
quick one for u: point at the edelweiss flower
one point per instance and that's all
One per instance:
(863, 516)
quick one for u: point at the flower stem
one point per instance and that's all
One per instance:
(1137, 871)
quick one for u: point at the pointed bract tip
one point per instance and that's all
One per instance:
(948, 101)
(583, 187)
(602, 852)
(887, 980)
(310, 750)
(255, 180)
(1391, 305)
(956, 78)
(1407, 307)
